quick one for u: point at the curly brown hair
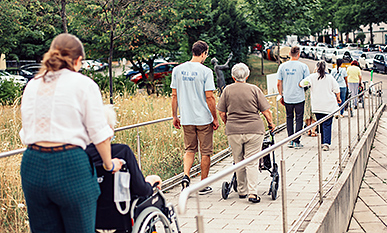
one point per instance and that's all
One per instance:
(64, 50)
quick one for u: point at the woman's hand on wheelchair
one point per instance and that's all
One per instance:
(153, 179)
(117, 165)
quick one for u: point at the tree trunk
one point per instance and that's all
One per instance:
(371, 34)
(111, 55)
(63, 15)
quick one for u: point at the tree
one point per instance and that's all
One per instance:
(129, 27)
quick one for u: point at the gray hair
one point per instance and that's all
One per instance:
(240, 72)
(110, 115)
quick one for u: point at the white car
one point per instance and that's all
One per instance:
(4, 75)
(339, 55)
(93, 65)
(319, 53)
(351, 46)
(329, 53)
(366, 60)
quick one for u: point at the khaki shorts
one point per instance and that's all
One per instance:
(203, 133)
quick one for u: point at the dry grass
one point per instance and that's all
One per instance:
(161, 144)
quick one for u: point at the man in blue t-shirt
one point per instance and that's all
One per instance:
(192, 91)
(289, 76)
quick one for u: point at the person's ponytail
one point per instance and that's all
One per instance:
(321, 66)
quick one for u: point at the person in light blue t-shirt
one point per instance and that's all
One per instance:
(289, 76)
(192, 92)
(340, 74)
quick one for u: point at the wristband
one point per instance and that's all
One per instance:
(104, 167)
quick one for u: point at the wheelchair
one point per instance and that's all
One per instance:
(146, 214)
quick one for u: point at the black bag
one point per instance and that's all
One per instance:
(265, 162)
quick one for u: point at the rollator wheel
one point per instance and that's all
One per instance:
(151, 220)
(225, 190)
(235, 185)
(274, 189)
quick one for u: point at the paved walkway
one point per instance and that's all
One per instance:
(238, 215)
(370, 214)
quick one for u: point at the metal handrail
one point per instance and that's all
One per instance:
(203, 183)
(19, 151)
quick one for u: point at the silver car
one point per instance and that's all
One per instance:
(366, 60)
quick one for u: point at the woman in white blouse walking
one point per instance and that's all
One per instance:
(325, 97)
(62, 112)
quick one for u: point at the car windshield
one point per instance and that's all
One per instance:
(329, 52)
(357, 52)
(371, 56)
(340, 52)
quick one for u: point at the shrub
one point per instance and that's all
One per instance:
(9, 92)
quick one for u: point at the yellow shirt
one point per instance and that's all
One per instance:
(353, 74)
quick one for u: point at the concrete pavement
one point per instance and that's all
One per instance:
(370, 213)
(238, 215)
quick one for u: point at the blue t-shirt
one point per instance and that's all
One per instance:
(339, 76)
(291, 73)
(191, 81)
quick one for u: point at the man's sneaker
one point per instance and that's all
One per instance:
(298, 145)
(291, 144)
(206, 190)
(185, 182)
(325, 147)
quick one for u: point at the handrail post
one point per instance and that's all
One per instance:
(349, 134)
(369, 105)
(365, 112)
(319, 165)
(138, 148)
(358, 120)
(372, 105)
(340, 145)
(277, 111)
(284, 195)
(199, 217)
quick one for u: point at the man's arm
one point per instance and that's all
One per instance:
(279, 86)
(223, 116)
(269, 119)
(210, 98)
(176, 120)
(280, 89)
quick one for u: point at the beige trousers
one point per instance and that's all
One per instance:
(243, 146)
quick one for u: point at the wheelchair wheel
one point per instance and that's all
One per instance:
(273, 189)
(151, 220)
(225, 190)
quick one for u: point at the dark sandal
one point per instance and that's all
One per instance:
(309, 132)
(255, 199)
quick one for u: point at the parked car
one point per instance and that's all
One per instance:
(93, 65)
(355, 54)
(4, 75)
(302, 51)
(321, 45)
(33, 68)
(351, 46)
(311, 53)
(380, 62)
(329, 53)
(160, 71)
(342, 54)
(319, 53)
(366, 60)
(17, 71)
(305, 52)
(132, 71)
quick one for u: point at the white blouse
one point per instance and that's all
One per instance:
(66, 109)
